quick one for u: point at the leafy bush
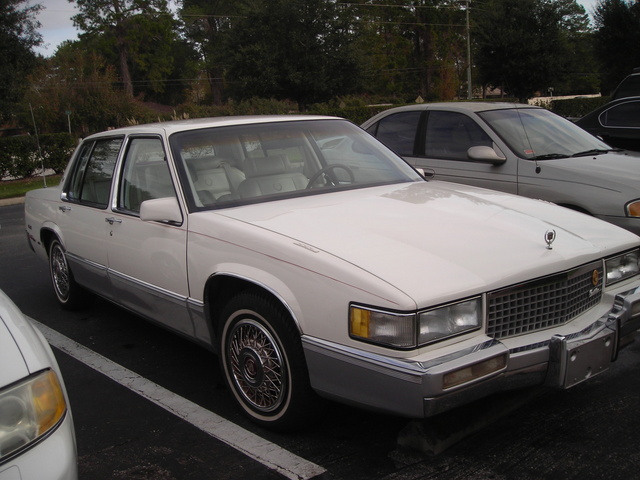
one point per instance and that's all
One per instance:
(57, 150)
(577, 107)
(20, 156)
(356, 115)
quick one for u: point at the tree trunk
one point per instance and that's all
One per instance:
(216, 84)
(124, 72)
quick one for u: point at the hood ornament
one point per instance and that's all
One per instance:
(549, 237)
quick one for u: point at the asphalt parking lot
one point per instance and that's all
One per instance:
(133, 382)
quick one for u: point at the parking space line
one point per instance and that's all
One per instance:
(265, 452)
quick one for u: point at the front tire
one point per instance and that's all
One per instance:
(263, 363)
(69, 294)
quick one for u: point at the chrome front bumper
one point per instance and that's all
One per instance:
(419, 389)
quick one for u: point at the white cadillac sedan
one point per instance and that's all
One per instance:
(37, 439)
(317, 263)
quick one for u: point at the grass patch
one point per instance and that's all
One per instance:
(17, 188)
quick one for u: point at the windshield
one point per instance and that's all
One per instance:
(539, 134)
(225, 166)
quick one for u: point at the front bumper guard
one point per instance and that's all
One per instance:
(415, 389)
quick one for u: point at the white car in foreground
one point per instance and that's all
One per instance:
(313, 260)
(37, 439)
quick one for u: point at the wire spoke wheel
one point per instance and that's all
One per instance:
(70, 295)
(59, 272)
(257, 365)
(263, 363)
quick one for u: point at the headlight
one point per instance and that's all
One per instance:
(29, 410)
(414, 329)
(633, 208)
(383, 328)
(622, 267)
(450, 320)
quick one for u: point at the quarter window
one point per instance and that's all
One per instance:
(91, 180)
(623, 115)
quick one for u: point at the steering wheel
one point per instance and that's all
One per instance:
(334, 180)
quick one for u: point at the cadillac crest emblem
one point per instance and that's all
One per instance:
(549, 237)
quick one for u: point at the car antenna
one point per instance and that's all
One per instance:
(35, 127)
(526, 135)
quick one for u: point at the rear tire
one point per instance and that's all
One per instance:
(69, 294)
(263, 363)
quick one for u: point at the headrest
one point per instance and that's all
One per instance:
(200, 164)
(273, 165)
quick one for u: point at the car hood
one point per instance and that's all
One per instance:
(612, 171)
(23, 349)
(455, 239)
(13, 364)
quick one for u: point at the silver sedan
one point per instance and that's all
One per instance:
(519, 149)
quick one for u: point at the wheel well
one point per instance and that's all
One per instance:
(46, 237)
(222, 288)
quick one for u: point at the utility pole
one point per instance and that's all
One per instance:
(469, 87)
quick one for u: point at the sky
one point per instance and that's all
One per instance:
(58, 27)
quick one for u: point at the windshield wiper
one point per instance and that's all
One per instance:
(550, 156)
(595, 151)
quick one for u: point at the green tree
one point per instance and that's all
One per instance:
(139, 31)
(388, 68)
(439, 47)
(75, 89)
(617, 39)
(580, 74)
(534, 46)
(413, 47)
(18, 37)
(304, 51)
(205, 24)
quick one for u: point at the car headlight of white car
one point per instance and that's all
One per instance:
(29, 410)
(410, 330)
(623, 266)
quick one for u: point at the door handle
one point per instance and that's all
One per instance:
(64, 208)
(112, 220)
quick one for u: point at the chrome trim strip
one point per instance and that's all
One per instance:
(406, 366)
(197, 304)
(82, 260)
(167, 294)
(373, 359)
(265, 287)
(461, 353)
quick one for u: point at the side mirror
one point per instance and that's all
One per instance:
(164, 210)
(485, 154)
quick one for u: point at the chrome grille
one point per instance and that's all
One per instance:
(545, 302)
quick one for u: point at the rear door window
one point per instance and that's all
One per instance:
(398, 131)
(91, 179)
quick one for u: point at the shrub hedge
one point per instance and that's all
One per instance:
(577, 107)
(20, 156)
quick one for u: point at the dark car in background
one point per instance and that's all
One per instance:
(629, 87)
(618, 121)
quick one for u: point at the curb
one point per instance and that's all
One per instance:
(11, 201)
